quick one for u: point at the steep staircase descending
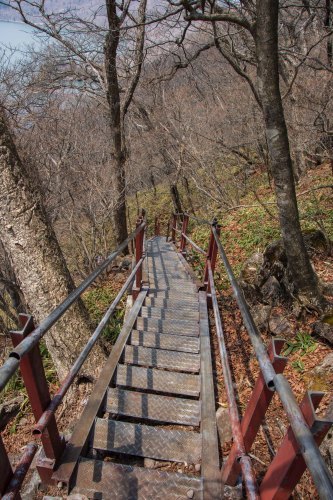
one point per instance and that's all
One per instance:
(154, 398)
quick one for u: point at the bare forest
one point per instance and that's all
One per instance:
(216, 109)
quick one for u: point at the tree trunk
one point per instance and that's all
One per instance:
(176, 198)
(38, 261)
(113, 97)
(304, 277)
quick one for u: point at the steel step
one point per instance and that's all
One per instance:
(147, 441)
(165, 292)
(179, 343)
(168, 313)
(153, 407)
(104, 480)
(174, 327)
(159, 358)
(189, 304)
(137, 377)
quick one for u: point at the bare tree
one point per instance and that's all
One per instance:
(37, 260)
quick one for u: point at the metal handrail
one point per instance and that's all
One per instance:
(242, 457)
(280, 384)
(42, 423)
(10, 366)
(194, 245)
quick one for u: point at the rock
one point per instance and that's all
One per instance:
(250, 271)
(261, 315)
(327, 450)
(233, 492)
(323, 330)
(316, 242)
(48, 497)
(149, 463)
(279, 325)
(197, 467)
(271, 290)
(190, 494)
(223, 425)
(326, 366)
(31, 488)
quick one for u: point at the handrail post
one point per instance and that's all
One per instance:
(6, 469)
(173, 228)
(138, 256)
(168, 231)
(211, 257)
(34, 378)
(184, 230)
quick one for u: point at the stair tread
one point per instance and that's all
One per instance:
(181, 313)
(160, 358)
(153, 407)
(147, 441)
(179, 343)
(97, 479)
(158, 380)
(172, 326)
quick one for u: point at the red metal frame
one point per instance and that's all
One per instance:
(139, 239)
(255, 412)
(34, 378)
(288, 465)
(184, 230)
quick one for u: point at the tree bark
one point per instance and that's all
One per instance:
(113, 97)
(37, 260)
(266, 38)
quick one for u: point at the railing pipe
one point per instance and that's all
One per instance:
(20, 472)
(308, 447)
(260, 350)
(194, 245)
(58, 397)
(244, 461)
(11, 365)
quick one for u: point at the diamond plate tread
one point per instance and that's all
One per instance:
(188, 304)
(164, 341)
(104, 480)
(173, 294)
(147, 441)
(159, 358)
(137, 377)
(173, 327)
(165, 313)
(153, 407)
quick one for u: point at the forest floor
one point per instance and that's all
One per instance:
(245, 230)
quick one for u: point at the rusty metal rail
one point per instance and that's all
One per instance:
(8, 369)
(299, 450)
(26, 354)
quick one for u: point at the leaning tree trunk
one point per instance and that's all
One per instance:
(38, 261)
(304, 277)
(113, 97)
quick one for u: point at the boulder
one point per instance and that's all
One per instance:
(279, 325)
(250, 271)
(323, 330)
(326, 366)
(260, 314)
(271, 291)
